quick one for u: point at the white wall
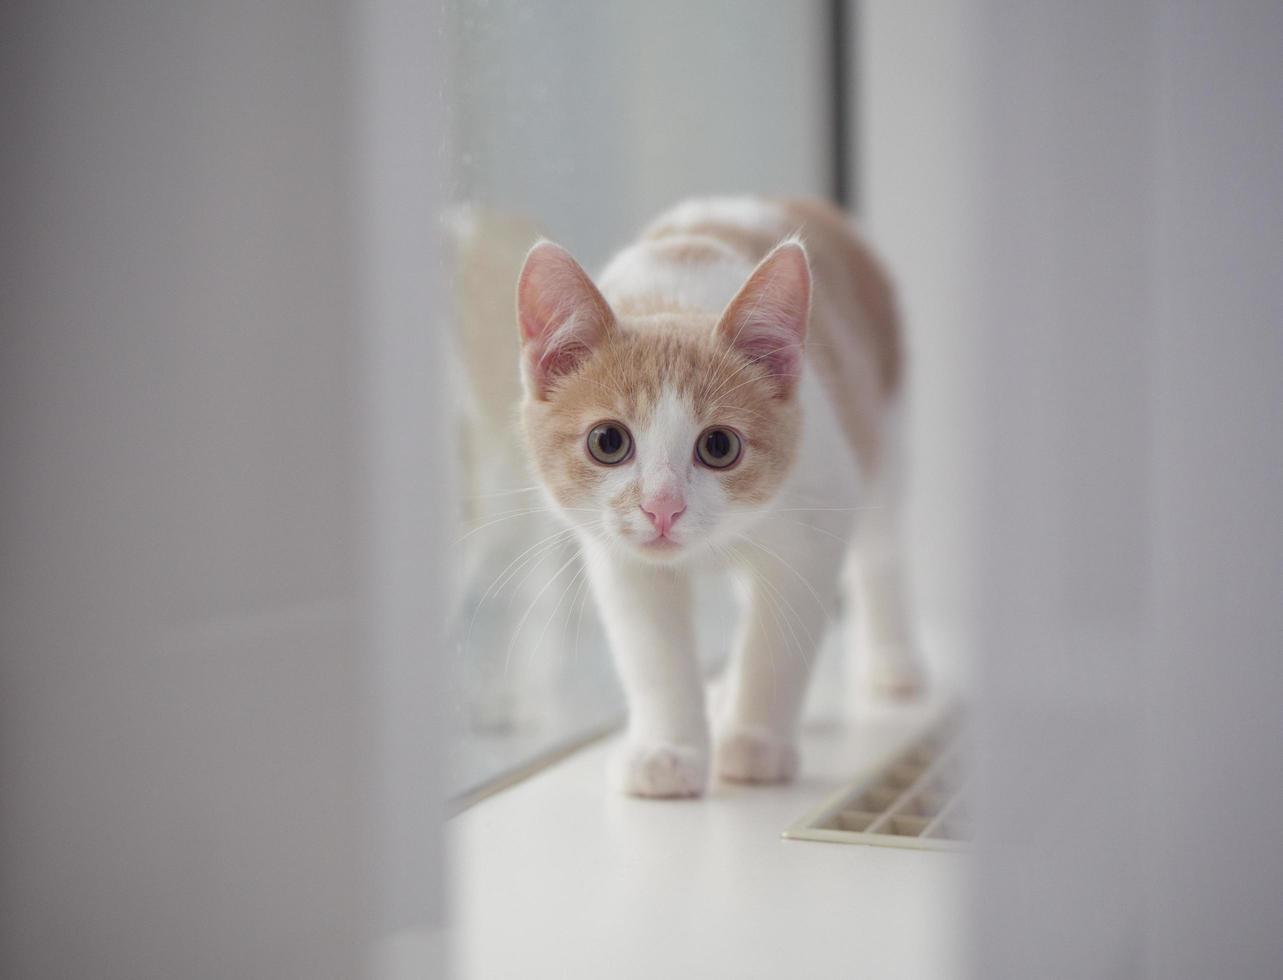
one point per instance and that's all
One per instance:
(1217, 467)
(217, 754)
(1082, 205)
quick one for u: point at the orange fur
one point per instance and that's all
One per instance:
(623, 380)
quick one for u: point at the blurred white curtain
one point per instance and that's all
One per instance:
(221, 446)
(1083, 205)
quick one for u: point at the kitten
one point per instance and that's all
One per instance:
(724, 396)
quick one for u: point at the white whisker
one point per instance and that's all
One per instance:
(496, 586)
(507, 660)
(748, 363)
(502, 493)
(800, 577)
(771, 595)
(512, 515)
(555, 609)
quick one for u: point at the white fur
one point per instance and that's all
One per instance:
(638, 270)
(641, 269)
(788, 556)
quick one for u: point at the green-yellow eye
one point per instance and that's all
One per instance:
(718, 447)
(609, 443)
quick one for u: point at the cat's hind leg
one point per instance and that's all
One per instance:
(879, 626)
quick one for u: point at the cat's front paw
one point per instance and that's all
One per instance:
(755, 755)
(661, 770)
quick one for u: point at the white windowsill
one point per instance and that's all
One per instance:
(561, 877)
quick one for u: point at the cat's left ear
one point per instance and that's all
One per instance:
(562, 316)
(766, 321)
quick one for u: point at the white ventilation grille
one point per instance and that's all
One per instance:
(916, 800)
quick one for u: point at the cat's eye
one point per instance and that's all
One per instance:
(718, 447)
(609, 443)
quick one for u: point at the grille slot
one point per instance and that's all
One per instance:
(917, 799)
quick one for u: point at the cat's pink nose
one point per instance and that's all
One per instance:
(663, 509)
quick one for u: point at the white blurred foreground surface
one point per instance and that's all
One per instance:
(562, 877)
(220, 754)
(1084, 205)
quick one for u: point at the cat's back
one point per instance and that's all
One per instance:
(675, 271)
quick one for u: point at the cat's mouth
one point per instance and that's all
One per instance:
(661, 544)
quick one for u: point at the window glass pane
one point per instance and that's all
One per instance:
(580, 121)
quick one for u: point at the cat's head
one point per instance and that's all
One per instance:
(667, 434)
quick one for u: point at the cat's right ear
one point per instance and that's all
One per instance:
(562, 317)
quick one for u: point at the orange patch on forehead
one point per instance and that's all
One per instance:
(630, 374)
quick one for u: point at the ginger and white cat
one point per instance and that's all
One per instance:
(723, 396)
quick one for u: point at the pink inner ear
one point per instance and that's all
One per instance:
(561, 314)
(779, 352)
(766, 321)
(562, 354)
